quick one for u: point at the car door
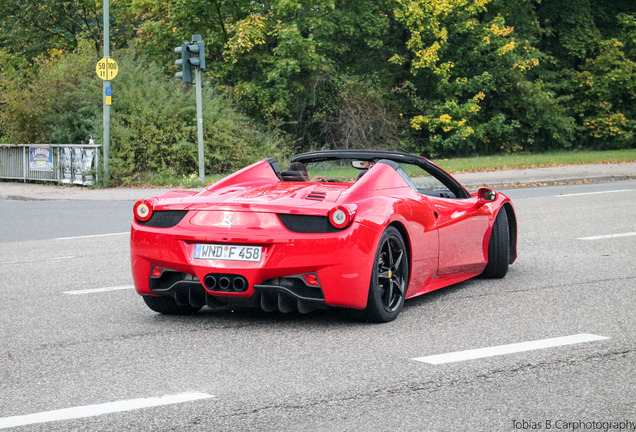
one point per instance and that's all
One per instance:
(462, 221)
(462, 225)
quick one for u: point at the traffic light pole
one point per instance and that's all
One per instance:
(193, 60)
(197, 80)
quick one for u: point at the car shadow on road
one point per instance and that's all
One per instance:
(244, 317)
(335, 317)
(462, 290)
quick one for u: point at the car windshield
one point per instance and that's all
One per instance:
(426, 178)
(350, 170)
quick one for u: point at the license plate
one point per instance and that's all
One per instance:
(228, 252)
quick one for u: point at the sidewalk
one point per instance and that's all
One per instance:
(590, 173)
(534, 176)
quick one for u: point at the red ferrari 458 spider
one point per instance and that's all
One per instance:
(371, 229)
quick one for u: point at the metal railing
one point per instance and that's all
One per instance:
(66, 163)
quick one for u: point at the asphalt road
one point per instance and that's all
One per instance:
(73, 334)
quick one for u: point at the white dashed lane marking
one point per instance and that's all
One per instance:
(595, 193)
(508, 349)
(38, 260)
(91, 236)
(100, 409)
(608, 236)
(99, 290)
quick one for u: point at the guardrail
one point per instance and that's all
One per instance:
(61, 163)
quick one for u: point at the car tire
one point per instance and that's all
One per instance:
(168, 306)
(498, 248)
(389, 278)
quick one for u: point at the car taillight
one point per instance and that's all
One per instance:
(143, 210)
(340, 217)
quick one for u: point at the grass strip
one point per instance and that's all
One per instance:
(534, 160)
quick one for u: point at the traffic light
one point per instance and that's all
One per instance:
(192, 56)
(186, 67)
(197, 47)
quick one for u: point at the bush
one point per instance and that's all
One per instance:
(154, 127)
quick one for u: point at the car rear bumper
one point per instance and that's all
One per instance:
(342, 262)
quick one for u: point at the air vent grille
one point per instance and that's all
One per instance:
(317, 196)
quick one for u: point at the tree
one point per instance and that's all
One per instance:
(473, 84)
(37, 28)
(289, 63)
(61, 103)
(605, 92)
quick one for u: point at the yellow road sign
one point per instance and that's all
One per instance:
(107, 68)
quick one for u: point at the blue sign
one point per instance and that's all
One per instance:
(40, 159)
(109, 91)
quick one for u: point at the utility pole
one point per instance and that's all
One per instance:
(105, 86)
(106, 69)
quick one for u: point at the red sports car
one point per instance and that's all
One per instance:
(371, 229)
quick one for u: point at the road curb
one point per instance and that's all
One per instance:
(549, 182)
(27, 198)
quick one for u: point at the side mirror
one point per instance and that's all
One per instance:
(486, 195)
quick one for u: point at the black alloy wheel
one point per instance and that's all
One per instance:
(389, 279)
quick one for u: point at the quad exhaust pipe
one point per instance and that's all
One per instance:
(225, 282)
